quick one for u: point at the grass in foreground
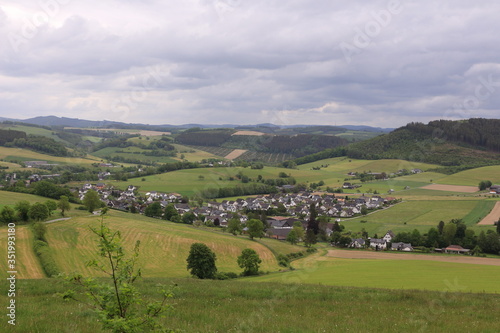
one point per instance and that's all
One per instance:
(243, 306)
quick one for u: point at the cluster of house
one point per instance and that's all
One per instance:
(381, 243)
(295, 205)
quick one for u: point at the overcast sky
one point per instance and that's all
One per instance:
(379, 63)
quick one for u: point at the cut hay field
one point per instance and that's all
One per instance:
(164, 245)
(27, 264)
(421, 215)
(392, 274)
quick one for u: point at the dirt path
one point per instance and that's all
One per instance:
(61, 219)
(451, 188)
(235, 154)
(492, 217)
(460, 259)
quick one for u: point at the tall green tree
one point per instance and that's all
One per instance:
(449, 232)
(311, 238)
(234, 226)
(313, 223)
(118, 303)
(63, 204)
(255, 228)
(51, 206)
(7, 215)
(38, 212)
(171, 213)
(154, 210)
(292, 237)
(23, 207)
(201, 261)
(91, 200)
(249, 260)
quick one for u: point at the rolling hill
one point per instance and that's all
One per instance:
(471, 142)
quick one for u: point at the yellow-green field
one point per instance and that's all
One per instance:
(187, 182)
(474, 176)
(164, 245)
(28, 155)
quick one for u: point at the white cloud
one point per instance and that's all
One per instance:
(234, 61)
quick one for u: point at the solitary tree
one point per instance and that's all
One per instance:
(255, 228)
(201, 261)
(91, 200)
(249, 260)
(63, 204)
(117, 302)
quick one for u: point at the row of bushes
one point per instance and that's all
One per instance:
(42, 250)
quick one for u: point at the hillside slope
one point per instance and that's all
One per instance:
(448, 143)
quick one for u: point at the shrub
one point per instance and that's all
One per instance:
(45, 256)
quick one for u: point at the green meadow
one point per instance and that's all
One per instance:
(188, 182)
(393, 274)
(474, 176)
(421, 215)
(245, 306)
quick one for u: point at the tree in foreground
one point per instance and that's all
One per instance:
(249, 260)
(91, 200)
(116, 300)
(63, 204)
(255, 228)
(201, 261)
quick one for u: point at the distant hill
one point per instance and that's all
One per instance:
(82, 123)
(449, 143)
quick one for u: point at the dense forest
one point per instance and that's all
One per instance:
(40, 144)
(448, 143)
(10, 135)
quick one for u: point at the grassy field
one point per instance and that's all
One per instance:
(28, 155)
(474, 176)
(421, 215)
(244, 306)
(164, 245)
(187, 182)
(391, 274)
(11, 198)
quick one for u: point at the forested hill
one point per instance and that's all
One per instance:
(445, 142)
